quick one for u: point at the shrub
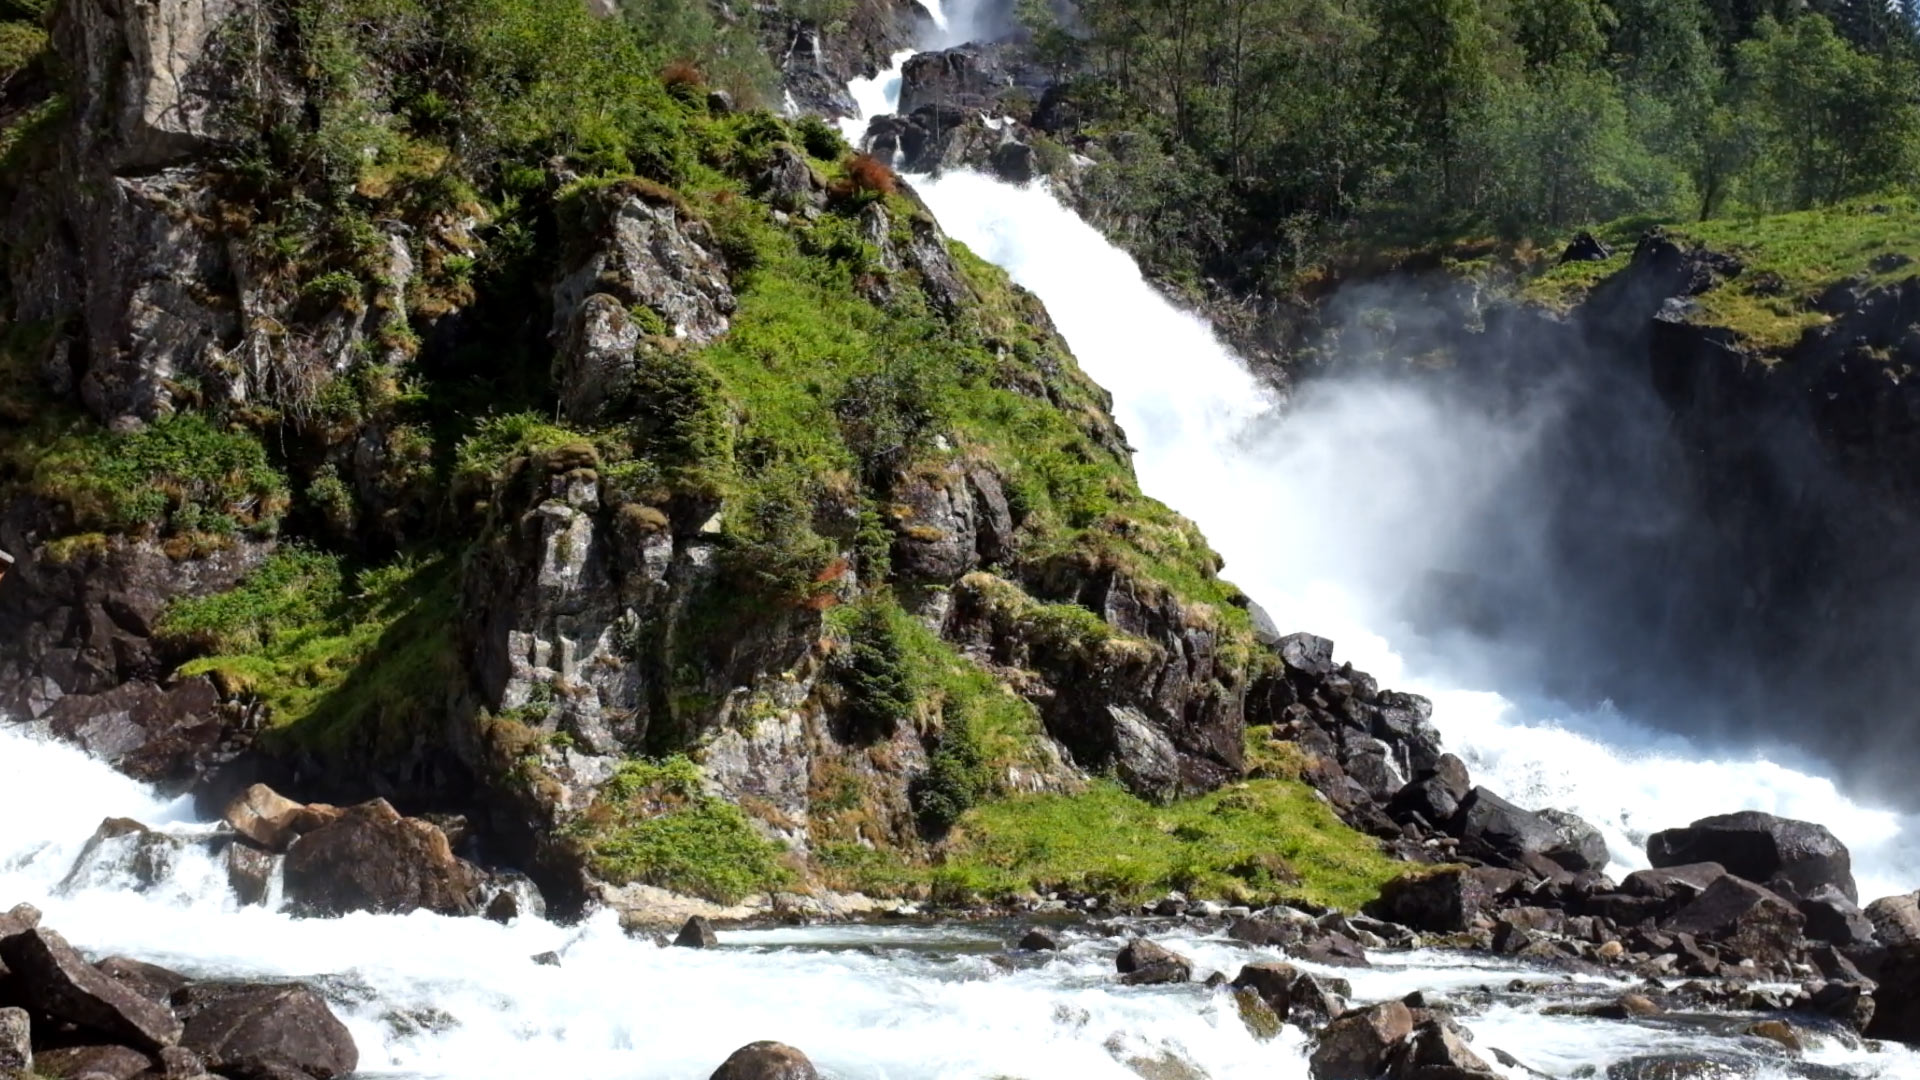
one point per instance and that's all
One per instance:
(178, 474)
(820, 139)
(868, 175)
(653, 822)
(873, 672)
(772, 548)
(681, 73)
(680, 417)
(957, 775)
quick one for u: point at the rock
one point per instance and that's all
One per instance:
(1013, 162)
(1435, 1052)
(1445, 901)
(1435, 795)
(1677, 1067)
(22, 918)
(1321, 946)
(149, 732)
(1503, 830)
(697, 933)
(372, 859)
(1038, 940)
(1272, 980)
(766, 1061)
(1896, 920)
(249, 873)
(1357, 1046)
(1751, 921)
(1778, 1031)
(1306, 654)
(264, 1032)
(1783, 854)
(73, 1062)
(1896, 1001)
(16, 1043)
(150, 981)
(1317, 999)
(547, 959)
(1585, 247)
(1683, 882)
(52, 978)
(265, 817)
(1832, 917)
(1143, 963)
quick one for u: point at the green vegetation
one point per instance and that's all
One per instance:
(1252, 140)
(342, 662)
(653, 823)
(183, 474)
(873, 673)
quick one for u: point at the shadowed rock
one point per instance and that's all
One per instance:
(253, 1032)
(1783, 854)
(52, 978)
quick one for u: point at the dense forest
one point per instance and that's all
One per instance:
(1264, 133)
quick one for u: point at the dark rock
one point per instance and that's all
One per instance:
(1013, 162)
(1446, 901)
(1851, 1003)
(1436, 1052)
(1143, 963)
(1585, 247)
(547, 959)
(1038, 940)
(249, 872)
(1748, 919)
(1272, 980)
(766, 1061)
(1832, 917)
(150, 981)
(1896, 921)
(50, 977)
(1357, 1046)
(1317, 999)
(1677, 1067)
(1333, 949)
(1783, 854)
(697, 933)
(72, 1062)
(1255, 930)
(372, 859)
(1503, 830)
(1306, 654)
(264, 1032)
(1683, 882)
(503, 908)
(147, 731)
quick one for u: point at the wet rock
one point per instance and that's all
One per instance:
(697, 933)
(73, 1062)
(1038, 940)
(262, 1032)
(1777, 1031)
(1317, 999)
(1896, 1002)
(1357, 1046)
(1446, 901)
(1676, 1067)
(1751, 921)
(1781, 853)
(1321, 946)
(249, 873)
(266, 817)
(1502, 830)
(1832, 917)
(150, 981)
(372, 859)
(149, 732)
(1436, 1052)
(16, 1043)
(1271, 980)
(766, 1061)
(547, 959)
(1143, 963)
(1683, 882)
(1013, 162)
(1896, 920)
(50, 977)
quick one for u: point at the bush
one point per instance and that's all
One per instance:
(820, 139)
(681, 418)
(180, 474)
(873, 672)
(772, 548)
(957, 775)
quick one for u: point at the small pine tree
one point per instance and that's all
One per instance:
(874, 675)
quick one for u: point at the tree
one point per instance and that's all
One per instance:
(1557, 32)
(1437, 58)
(1562, 152)
(1837, 123)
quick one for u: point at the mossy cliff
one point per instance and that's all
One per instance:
(458, 402)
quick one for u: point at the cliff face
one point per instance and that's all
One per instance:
(375, 431)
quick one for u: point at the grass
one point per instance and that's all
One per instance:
(1258, 841)
(654, 823)
(1789, 260)
(182, 474)
(343, 662)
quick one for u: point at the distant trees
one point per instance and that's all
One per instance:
(1253, 132)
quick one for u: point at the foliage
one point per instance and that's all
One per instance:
(297, 587)
(181, 474)
(654, 823)
(1257, 841)
(873, 673)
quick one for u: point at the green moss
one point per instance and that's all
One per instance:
(1257, 841)
(181, 474)
(654, 823)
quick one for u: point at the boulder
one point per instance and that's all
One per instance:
(150, 981)
(1783, 854)
(766, 1061)
(1317, 999)
(372, 859)
(50, 977)
(1747, 919)
(16, 1043)
(266, 817)
(73, 1062)
(249, 873)
(696, 934)
(1585, 247)
(1272, 980)
(1435, 795)
(1143, 963)
(264, 1032)
(1306, 654)
(1896, 920)
(1038, 940)
(1505, 831)
(1445, 901)
(1683, 882)
(1358, 1045)
(1832, 917)
(1435, 1052)
(22, 918)
(1322, 946)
